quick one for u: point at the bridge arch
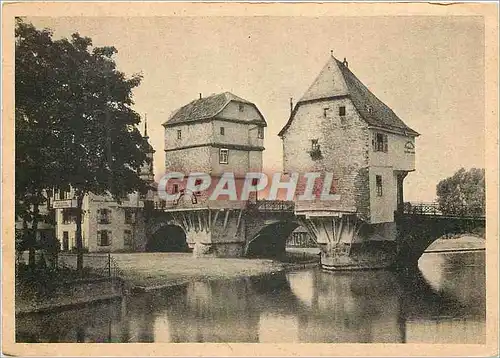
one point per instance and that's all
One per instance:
(270, 240)
(167, 237)
(417, 232)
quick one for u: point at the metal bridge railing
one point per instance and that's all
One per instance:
(273, 206)
(436, 210)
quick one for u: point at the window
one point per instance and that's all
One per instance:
(223, 155)
(103, 238)
(380, 142)
(127, 238)
(179, 134)
(378, 180)
(175, 188)
(103, 216)
(260, 132)
(68, 216)
(314, 145)
(241, 107)
(64, 194)
(325, 111)
(65, 241)
(129, 216)
(222, 131)
(342, 111)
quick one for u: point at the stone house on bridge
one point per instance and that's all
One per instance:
(218, 134)
(340, 126)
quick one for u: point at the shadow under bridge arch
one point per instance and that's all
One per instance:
(167, 238)
(270, 241)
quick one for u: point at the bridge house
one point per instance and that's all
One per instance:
(214, 135)
(340, 126)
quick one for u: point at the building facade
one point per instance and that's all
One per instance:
(107, 225)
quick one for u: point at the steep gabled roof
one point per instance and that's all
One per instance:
(336, 80)
(205, 108)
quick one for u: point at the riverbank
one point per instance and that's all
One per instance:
(149, 271)
(51, 293)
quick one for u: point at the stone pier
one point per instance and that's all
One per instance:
(349, 243)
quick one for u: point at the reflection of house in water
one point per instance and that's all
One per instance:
(347, 308)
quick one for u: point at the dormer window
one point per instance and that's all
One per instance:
(342, 111)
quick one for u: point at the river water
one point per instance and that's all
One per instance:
(444, 302)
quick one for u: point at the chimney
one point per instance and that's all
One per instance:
(200, 95)
(331, 53)
(345, 63)
(291, 105)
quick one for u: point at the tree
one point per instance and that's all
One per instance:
(34, 155)
(463, 193)
(91, 128)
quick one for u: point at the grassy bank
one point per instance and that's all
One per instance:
(41, 289)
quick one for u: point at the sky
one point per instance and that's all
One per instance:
(428, 70)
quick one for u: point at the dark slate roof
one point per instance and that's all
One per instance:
(205, 108)
(381, 115)
(337, 80)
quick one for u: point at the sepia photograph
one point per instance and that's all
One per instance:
(249, 173)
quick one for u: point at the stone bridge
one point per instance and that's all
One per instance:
(418, 226)
(260, 228)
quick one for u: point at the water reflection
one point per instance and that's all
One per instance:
(444, 302)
